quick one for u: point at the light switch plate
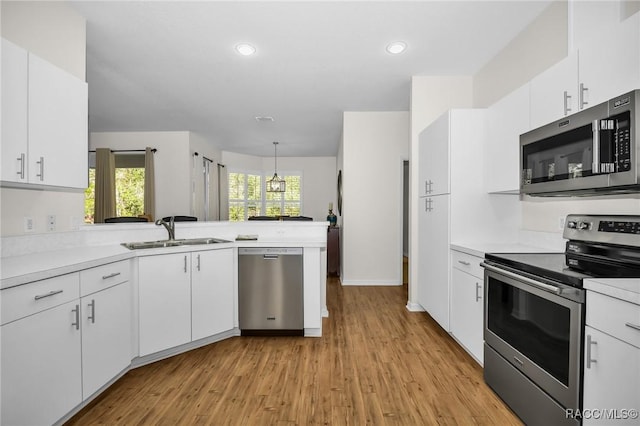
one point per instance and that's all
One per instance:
(51, 222)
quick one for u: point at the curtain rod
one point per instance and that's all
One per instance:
(128, 150)
(205, 158)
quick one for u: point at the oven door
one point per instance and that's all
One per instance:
(537, 330)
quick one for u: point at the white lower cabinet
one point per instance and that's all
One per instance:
(212, 307)
(467, 310)
(611, 361)
(41, 366)
(106, 336)
(184, 297)
(164, 301)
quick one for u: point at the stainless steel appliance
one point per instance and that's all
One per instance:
(534, 314)
(591, 152)
(270, 291)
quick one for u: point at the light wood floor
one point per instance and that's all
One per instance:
(376, 364)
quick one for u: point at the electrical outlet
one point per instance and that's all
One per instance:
(561, 220)
(28, 224)
(51, 222)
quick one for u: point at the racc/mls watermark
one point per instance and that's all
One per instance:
(602, 413)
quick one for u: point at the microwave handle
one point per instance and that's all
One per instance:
(595, 168)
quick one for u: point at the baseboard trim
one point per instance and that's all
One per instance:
(369, 283)
(414, 307)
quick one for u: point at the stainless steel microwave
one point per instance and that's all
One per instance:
(592, 152)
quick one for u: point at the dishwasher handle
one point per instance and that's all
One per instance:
(270, 256)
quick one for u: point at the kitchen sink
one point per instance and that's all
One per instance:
(172, 243)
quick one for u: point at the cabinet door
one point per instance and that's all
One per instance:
(106, 336)
(41, 366)
(164, 301)
(507, 119)
(609, 66)
(211, 292)
(611, 382)
(434, 154)
(433, 274)
(554, 92)
(14, 113)
(467, 312)
(58, 126)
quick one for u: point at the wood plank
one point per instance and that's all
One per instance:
(376, 363)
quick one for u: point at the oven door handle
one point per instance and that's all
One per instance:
(534, 283)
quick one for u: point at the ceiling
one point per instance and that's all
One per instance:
(162, 66)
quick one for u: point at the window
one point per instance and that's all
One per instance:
(129, 186)
(247, 196)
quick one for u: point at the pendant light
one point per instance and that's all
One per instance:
(276, 184)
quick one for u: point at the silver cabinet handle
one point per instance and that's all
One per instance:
(430, 186)
(77, 312)
(465, 263)
(21, 160)
(92, 316)
(198, 263)
(634, 326)
(185, 264)
(583, 90)
(115, 274)
(478, 287)
(567, 105)
(428, 205)
(41, 163)
(51, 293)
(589, 343)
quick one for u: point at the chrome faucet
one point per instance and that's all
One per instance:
(170, 227)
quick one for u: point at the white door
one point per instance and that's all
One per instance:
(41, 366)
(106, 336)
(164, 301)
(58, 126)
(211, 292)
(554, 93)
(14, 113)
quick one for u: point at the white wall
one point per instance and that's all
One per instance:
(536, 48)
(318, 177)
(172, 164)
(55, 32)
(374, 147)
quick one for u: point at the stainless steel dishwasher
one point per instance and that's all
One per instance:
(270, 297)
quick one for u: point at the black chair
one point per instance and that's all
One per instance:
(181, 219)
(125, 219)
(296, 218)
(263, 218)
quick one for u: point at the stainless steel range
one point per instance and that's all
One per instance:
(534, 314)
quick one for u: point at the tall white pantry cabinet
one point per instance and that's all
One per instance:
(451, 190)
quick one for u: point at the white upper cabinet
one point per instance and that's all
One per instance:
(45, 122)
(610, 65)
(506, 120)
(434, 158)
(14, 112)
(589, 20)
(554, 93)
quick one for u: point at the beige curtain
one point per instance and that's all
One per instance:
(149, 184)
(223, 192)
(105, 202)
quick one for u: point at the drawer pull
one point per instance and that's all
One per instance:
(465, 263)
(51, 293)
(634, 326)
(106, 277)
(589, 343)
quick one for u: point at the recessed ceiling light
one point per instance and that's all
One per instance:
(396, 47)
(261, 119)
(245, 49)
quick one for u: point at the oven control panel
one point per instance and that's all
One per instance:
(621, 227)
(611, 229)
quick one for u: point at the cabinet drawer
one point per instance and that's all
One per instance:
(105, 276)
(467, 263)
(19, 302)
(615, 317)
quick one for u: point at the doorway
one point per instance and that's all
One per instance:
(405, 224)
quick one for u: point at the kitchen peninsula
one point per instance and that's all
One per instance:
(99, 309)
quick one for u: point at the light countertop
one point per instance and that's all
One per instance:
(480, 248)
